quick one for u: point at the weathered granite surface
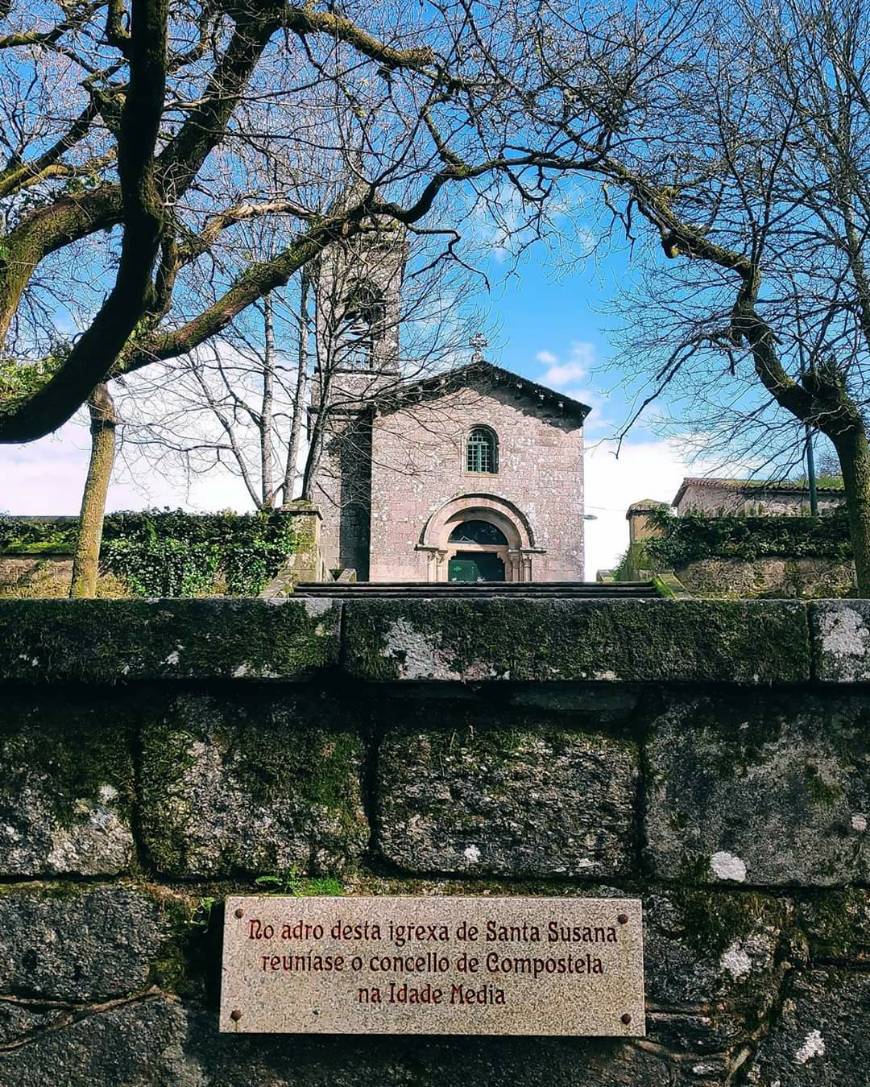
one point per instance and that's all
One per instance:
(425, 1062)
(77, 943)
(136, 1044)
(766, 793)
(518, 801)
(65, 794)
(259, 784)
(820, 1038)
(577, 640)
(837, 926)
(840, 634)
(111, 641)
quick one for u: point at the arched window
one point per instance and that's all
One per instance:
(362, 324)
(481, 450)
(478, 532)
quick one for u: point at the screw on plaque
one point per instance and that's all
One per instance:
(235, 1015)
(623, 919)
(626, 1018)
(239, 912)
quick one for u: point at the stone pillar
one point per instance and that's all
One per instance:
(640, 525)
(641, 528)
(306, 563)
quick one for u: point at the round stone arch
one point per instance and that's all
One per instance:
(504, 515)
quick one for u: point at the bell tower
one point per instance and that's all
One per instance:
(358, 312)
(357, 317)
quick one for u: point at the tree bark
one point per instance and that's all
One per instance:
(86, 561)
(299, 405)
(853, 451)
(267, 473)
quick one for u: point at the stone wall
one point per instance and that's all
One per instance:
(711, 758)
(718, 498)
(768, 578)
(35, 575)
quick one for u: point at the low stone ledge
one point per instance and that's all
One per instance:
(658, 640)
(517, 801)
(747, 642)
(107, 641)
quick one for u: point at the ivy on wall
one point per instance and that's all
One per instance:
(170, 552)
(693, 537)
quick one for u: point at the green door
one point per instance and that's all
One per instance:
(475, 566)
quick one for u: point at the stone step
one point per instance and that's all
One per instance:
(574, 590)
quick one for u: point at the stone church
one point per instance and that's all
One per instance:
(474, 474)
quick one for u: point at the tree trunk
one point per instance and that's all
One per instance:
(86, 562)
(853, 451)
(267, 475)
(299, 405)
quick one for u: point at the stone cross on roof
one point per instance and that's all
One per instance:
(479, 342)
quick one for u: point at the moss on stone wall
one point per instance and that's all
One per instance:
(108, 641)
(566, 640)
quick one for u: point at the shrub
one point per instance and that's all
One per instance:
(173, 553)
(169, 552)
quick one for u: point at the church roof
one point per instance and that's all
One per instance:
(449, 380)
(750, 487)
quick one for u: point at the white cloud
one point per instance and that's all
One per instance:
(581, 357)
(47, 477)
(563, 374)
(645, 469)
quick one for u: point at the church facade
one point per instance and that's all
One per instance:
(471, 475)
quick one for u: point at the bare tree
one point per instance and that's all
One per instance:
(163, 128)
(241, 404)
(742, 179)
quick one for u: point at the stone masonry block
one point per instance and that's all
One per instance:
(252, 784)
(131, 1045)
(626, 640)
(822, 1035)
(837, 926)
(76, 943)
(66, 788)
(760, 792)
(523, 802)
(714, 967)
(840, 631)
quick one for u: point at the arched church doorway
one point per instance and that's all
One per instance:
(478, 529)
(477, 552)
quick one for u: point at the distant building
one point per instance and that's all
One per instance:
(751, 498)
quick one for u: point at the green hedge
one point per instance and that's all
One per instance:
(23, 536)
(693, 537)
(170, 552)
